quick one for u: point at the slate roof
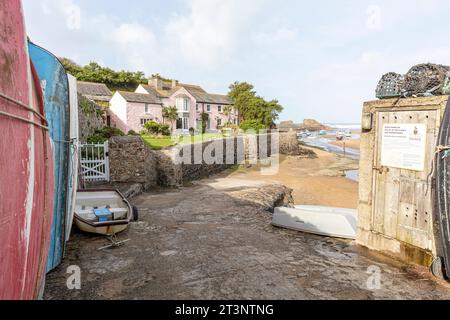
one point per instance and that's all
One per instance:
(94, 91)
(140, 97)
(203, 97)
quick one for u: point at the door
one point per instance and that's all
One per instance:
(402, 207)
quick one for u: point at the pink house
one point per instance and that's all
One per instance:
(131, 111)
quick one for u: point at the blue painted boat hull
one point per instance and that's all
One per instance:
(55, 86)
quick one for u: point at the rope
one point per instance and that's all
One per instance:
(6, 114)
(439, 149)
(17, 102)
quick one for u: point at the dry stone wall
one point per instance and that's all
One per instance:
(131, 161)
(89, 118)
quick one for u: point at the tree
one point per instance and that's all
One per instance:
(253, 107)
(205, 119)
(171, 114)
(115, 80)
(227, 111)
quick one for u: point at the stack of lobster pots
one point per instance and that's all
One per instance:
(421, 80)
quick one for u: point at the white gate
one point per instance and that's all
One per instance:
(94, 162)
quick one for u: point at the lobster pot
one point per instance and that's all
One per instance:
(390, 85)
(446, 88)
(425, 79)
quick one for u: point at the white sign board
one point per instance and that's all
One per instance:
(404, 146)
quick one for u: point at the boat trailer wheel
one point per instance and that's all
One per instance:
(437, 268)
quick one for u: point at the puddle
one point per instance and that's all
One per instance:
(352, 175)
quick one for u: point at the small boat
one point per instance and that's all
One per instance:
(325, 221)
(74, 145)
(26, 165)
(104, 212)
(55, 85)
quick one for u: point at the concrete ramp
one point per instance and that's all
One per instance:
(325, 221)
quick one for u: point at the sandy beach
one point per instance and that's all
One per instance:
(319, 181)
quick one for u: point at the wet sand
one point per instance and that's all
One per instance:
(318, 181)
(351, 144)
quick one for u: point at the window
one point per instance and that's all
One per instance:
(196, 108)
(219, 122)
(147, 108)
(208, 108)
(183, 104)
(183, 123)
(219, 108)
(144, 121)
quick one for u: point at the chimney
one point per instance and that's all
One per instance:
(174, 83)
(155, 82)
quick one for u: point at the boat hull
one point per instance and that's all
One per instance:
(324, 221)
(442, 192)
(26, 165)
(74, 161)
(55, 85)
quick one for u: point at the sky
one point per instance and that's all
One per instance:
(321, 59)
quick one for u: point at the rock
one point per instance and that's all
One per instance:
(313, 125)
(269, 197)
(290, 145)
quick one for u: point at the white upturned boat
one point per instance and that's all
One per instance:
(325, 221)
(104, 212)
(73, 163)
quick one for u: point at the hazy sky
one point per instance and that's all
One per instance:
(321, 59)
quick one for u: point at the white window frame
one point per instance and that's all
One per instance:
(182, 104)
(208, 108)
(219, 108)
(144, 121)
(185, 121)
(147, 108)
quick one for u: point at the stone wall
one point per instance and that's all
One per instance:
(132, 162)
(89, 118)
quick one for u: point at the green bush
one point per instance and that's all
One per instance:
(164, 130)
(252, 125)
(102, 135)
(154, 128)
(133, 133)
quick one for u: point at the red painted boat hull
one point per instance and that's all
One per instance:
(26, 165)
